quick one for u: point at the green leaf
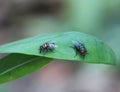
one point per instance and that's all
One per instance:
(98, 52)
(14, 66)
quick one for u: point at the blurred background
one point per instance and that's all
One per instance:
(101, 18)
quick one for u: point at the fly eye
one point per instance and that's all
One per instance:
(82, 51)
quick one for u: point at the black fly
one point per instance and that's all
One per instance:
(48, 46)
(80, 47)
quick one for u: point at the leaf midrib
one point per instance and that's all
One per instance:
(17, 66)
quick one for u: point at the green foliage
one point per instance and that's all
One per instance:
(98, 52)
(14, 66)
(30, 59)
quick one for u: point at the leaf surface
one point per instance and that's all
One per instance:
(15, 65)
(98, 51)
